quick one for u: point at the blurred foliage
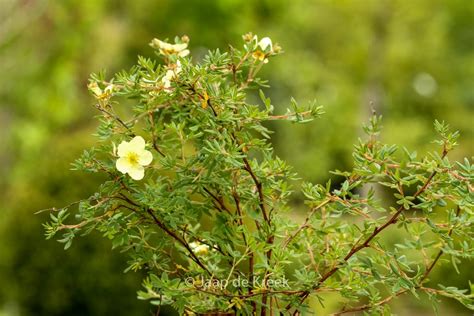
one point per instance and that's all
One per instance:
(409, 60)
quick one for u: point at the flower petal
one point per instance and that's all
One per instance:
(136, 173)
(123, 165)
(178, 67)
(137, 144)
(145, 157)
(180, 47)
(123, 149)
(184, 53)
(164, 45)
(169, 75)
(265, 42)
(167, 85)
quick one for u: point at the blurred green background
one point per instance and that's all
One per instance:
(411, 61)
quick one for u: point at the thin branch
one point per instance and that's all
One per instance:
(114, 116)
(236, 197)
(368, 306)
(178, 239)
(258, 184)
(141, 115)
(287, 116)
(153, 136)
(356, 248)
(440, 253)
(219, 201)
(305, 223)
(419, 286)
(267, 219)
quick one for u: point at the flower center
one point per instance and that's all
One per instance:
(132, 158)
(259, 55)
(170, 51)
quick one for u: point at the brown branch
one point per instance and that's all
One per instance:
(305, 223)
(267, 219)
(94, 219)
(114, 116)
(440, 253)
(126, 198)
(153, 136)
(208, 99)
(258, 184)
(151, 111)
(368, 306)
(178, 239)
(287, 116)
(235, 68)
(219, 201)
(241, 223)
(356, 248)
(236, 197)
(420, 282)
(265, 278)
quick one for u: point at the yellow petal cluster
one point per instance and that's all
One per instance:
(171, 73)
(170, 49)
(133, 157)
(198, 248)
(263, 48)
(98, 93)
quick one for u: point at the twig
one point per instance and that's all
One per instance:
(153, 136)
(178, 239)
(219, 200)
(419, 286)
(305, 223)
(356, 248)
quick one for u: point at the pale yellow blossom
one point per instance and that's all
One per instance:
(170, 74)
(98, 92)
(262, 49)
(170, 49)
(133, 157)
(198, 248)
(265, 43)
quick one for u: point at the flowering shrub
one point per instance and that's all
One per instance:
(196, 196)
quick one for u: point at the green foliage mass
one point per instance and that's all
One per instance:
(213, 206)
(351, 56)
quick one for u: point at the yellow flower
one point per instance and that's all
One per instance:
(171, 73)
(259, 55)
(170, 49)
(132, 157)
(199, 248)
(262, 50)
(98, 92)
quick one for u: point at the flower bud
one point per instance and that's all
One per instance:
(247, 37)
